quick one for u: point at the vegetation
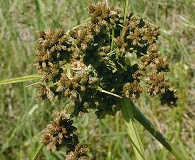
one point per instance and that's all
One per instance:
(23, 116)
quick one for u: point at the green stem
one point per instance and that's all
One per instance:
(112, 43)
(38, 152)
(20, 79)
(146, 124)
(151, 128)
(39, 23)
(88, 19)
(125, 9)
(131, 128)
(68, 67)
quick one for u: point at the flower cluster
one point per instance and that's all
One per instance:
(79, 152)
(60, 132)
(96, 56)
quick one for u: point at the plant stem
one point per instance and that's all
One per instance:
(112, 43)
(110, 93)
(38, 152)
(125, 9)
(68, 68)
(79, 25)
(39, 23)
(20, 79)
(131, 128)
(106, 1)
(152, 129)
(129, 108)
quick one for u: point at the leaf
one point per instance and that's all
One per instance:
(20, 79)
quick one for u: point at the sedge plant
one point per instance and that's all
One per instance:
(103, 64)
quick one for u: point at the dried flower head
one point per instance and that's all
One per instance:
(79, 152)
(107, 52)
(60, 132)
(169, 97)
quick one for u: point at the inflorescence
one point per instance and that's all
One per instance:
(109, 52)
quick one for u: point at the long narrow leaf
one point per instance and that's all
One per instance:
(20, 79)
(131, 128)
(39, 150)
(153, 130)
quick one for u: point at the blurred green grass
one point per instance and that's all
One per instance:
(22, 116)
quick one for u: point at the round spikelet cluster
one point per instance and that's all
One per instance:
(108, 52)
(60, 132)
(75, 64)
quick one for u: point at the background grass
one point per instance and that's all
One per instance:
(22, 116)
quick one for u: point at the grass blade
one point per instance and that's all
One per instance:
(36, 156)
(131, 128)
(152, 129)
(20, 79)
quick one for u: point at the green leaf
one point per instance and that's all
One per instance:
(20, 79)
(154, 131)
(131, 128)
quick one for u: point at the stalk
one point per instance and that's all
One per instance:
(36, 156)
(152, 129)
(127, 112)
(20, 79)
(125, 8)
